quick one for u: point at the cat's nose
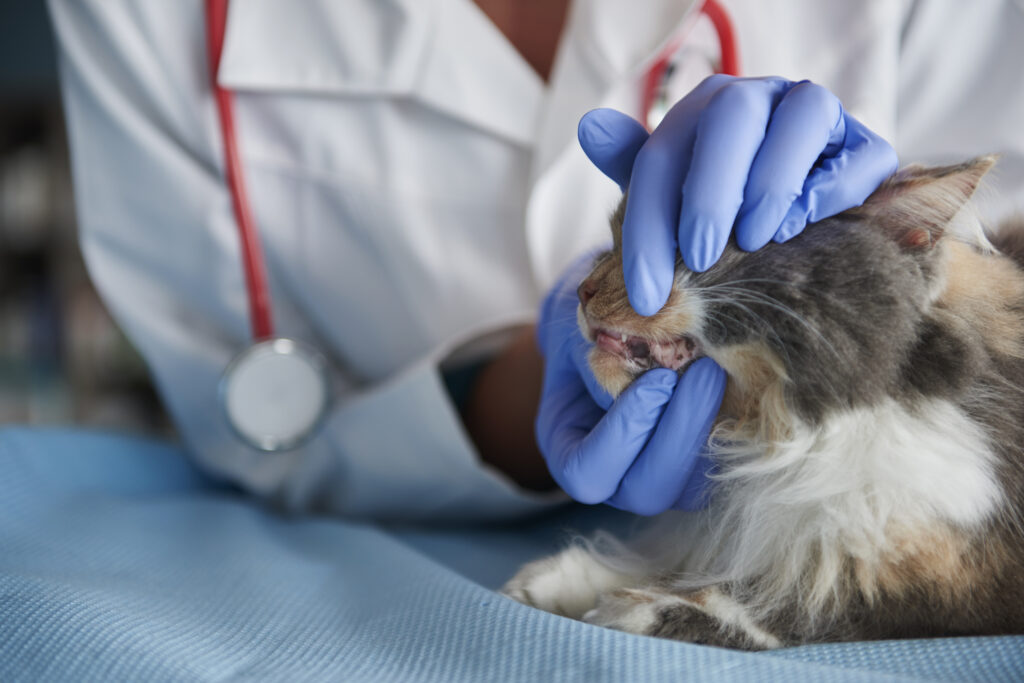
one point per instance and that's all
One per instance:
(586, 291)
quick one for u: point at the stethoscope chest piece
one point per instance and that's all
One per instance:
(275, 393)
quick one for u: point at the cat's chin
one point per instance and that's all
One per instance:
(611, 371)
(615, 372)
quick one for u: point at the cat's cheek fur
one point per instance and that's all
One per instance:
(755, 394)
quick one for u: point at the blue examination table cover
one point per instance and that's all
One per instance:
(120, 561)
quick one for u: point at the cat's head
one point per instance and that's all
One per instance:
(826, 320)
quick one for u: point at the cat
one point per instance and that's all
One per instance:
(868, 477)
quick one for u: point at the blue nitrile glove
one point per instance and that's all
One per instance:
(765, 156)
(640, 453)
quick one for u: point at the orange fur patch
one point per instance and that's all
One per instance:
(984, 290)
(935, 556)
(635, 595)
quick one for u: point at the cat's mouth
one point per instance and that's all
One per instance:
(643, 352)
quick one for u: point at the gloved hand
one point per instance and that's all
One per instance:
(640, 453)
(763, 156)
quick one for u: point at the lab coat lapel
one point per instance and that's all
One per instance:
(364, 47)
(472, 72)
(445, 54)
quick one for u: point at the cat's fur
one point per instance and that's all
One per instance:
(869, 454)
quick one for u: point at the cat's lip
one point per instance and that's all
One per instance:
(673, 354)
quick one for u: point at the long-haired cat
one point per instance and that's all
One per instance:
(869, 453)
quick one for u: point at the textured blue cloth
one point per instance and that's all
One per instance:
(119, 561)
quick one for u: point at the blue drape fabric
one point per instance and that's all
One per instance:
(120, 561)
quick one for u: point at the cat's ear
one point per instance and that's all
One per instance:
(917, 203)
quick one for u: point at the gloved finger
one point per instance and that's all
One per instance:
(558, 334)
(807, 120)
(729, 135)
(557, 315)
(565, 416)
(695, 492)
(652, 208)
(843, 180)
(611, 140)
(659, 474)
(589, 464)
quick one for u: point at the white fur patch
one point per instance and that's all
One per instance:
(567, 583)
(884, 464)
(836, 491)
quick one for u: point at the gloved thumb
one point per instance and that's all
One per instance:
(611, 139)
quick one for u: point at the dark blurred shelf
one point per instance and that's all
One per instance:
(28, 62)
(62, 358)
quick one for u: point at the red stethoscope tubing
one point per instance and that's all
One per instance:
(260, 315)
(729, 55)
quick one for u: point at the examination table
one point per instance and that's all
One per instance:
(120, 561)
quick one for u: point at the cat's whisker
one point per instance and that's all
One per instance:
(781, 347)
(761, 297)
(765, 326)
(734, 301)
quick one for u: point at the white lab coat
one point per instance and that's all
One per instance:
(418, 187)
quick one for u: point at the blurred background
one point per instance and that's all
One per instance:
(62, 358)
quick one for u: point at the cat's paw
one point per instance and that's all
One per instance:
(708, 617)
(567, 583)
(632, 610)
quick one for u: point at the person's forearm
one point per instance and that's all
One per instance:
(501, 408)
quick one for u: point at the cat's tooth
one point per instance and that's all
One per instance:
(624, 337)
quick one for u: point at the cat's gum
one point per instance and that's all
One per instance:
(675, 354)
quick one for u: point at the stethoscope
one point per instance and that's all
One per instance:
(276, 393)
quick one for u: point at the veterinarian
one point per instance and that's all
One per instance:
(418, 191)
